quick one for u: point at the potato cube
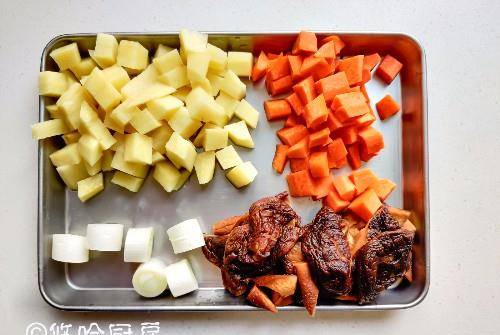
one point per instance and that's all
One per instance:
(193, 41)
(183, 178)
(92, 170)
(52, 84)
(160, 137)
(132, 56)
(228, 157)
(157, 157)
(204, 165)
(54, 111)
(68, 155)
(239, 134)
(228, 103)
(200, 137)
(168, 61)
(138, 149)
(166, 175)
(197, 66)
(120, 142)
(215, 139)
(70, 77)
(131, 183)
(117, 76)
(240, 63)
(202, 106)
(123, 113)
(218, 58)
(106, 50)
(103, 92)
(161, 50)
(176, 78)
(93, 125)
(242, 174)
(181, 151)
(154, 91)
(66, 56)
(49, 128)
(182, 123)
(87, 113)
(89, 187)
(84, 68)
(244, 111)
(134, 169)
(90, 149)
(106, 159)
(72, 137)
(112, 124)
(182, 93)
(232, 85)
(214, 81)
(164, 108)
(140, 82)
(69, 105)
(143, 121)
(71, 174)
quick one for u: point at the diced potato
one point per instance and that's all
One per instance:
(87, 113)
(123, 113)
(202, 106)
(214, 81)
(92, 170)
(200, 137)
(90, 149)
(84, 68)
(131, 183)
(54, 111)
(240, 63)
(215, 139)
(228, 103)
(106, 50)
(218, 58)
(66, 56)
(132, 56)
(193, 41)
(176, 77)
(242, 174)
(168, 61)
(72, 137)
(106, 159)
(120, 142)
(69, 105)
(112, 124)
(117, 76)
(239, 134)
(71, 174)
(68, 155)
(181, 151)
(232, 85)
(154, 91)
(138, 149)
(89, 187)
(228, 157)
(94, 126)
(204, 83)
(161, 50)
(49, 128)
(184, 177)
(166, 175)
(144, 121)
(134, 169)
(182, 123)
(182, 93)
(103, 92)
(204, 165)
(244, 111)
(157, 157)
(140, 82)
(52, 84)
(197, 66)
(160, 137)
(164, 108)
(70, 77)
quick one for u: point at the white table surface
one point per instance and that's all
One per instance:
(462, 43)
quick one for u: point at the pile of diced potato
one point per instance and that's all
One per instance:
(117, 111)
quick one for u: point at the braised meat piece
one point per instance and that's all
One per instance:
(326, 249)
(384, 258)
(214, 248)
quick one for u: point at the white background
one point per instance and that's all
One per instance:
(462, 43)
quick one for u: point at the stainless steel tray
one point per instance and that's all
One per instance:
(105, 282)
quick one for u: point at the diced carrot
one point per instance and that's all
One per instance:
(225, 226)
(299, 149)
(365, 205)
(333, 123)
(371, 140)
(305, 90)
(365, 92)
(336, 150)
(322, 186)
(260, 67)
(353, 156)
(339, 44)
(318, 164)
(300, 184)
(293, 120)
(389, 69)
(290, 136)
(332, 85)
(280, 86)
(317, 67)
(344, 186)
(327, 142)
(327, 50)
(272, 56)
(387, 107)
(279, 68)
(337, 164)
(277, 109)
(383, 188)
(363, 120)
(319, 138)
(316, 111)
(349, 134)
(295, 63)
(260, 299)
(354, 89)
(299, 164)
(347, 113)
(348, 99)
(353, 68)
(335, 202)
(280, 158)
(306, 43)
(294, 101)
(363, 179)
(370, 61)
(366, 75)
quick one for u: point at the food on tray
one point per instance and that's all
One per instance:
(90, 186)
(266, 254)
(242, 174)
(138, 245)
(150, 278)
(387, 107)
(186, 236)
(180, 278)
(105, 236)
(389, 68)
(70, 248)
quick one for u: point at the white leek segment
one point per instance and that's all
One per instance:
(186, 236)
(180, 278)
(105, 236)
(70, 248)
(150, 279)
(138, 245)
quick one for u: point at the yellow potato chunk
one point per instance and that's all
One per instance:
(54, 111)
(215, 139)
(52, 84)
(214, 81)
(183, 178)
(180, 151)
(200, 137)
(203, 107)
(117, 76)
(132, 56)
(144, 122)
(218, 58)
(164, 108)
(69, 105)
(176, 77)
(140, 82)
(240, 63)
(168, 61)
(154, 91)
(120, 142)
(197, 66)
(95, 127)
(123, 113)
(228, 103)
(138, 149)
(106, 50)
(182, 123)
(134, 169)
(160, 136)
(66, 56)
(228, 157)
(242, 174)
(92, 170)
(204, 165)
(106, 159)
(72, 174)
(131, 183)
(182, 93)
(72, 137)
(103, 92)
(239, 134)
(161, 50)
(244, 111)
(68, 155)
(90, 149)
(193, 41)
(157, 157)
(49, 128)
(84, 68)
(232, 85)
(89, 187)
(167, 175)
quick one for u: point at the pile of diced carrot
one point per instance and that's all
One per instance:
(328, 118)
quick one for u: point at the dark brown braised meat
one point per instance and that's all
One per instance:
(214, 248)
(326, 249)
(384, 258)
